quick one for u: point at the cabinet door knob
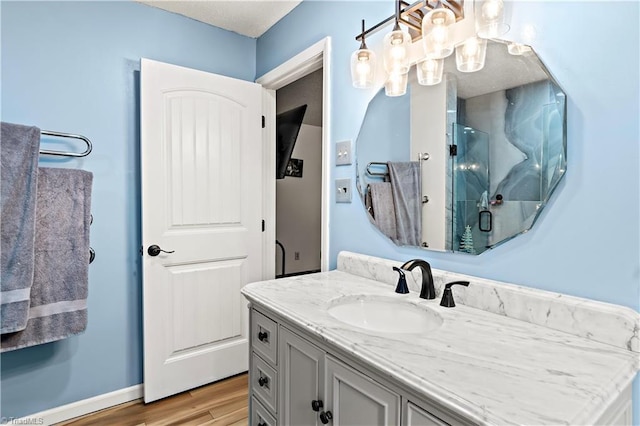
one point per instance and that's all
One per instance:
(316, 405)
(325, 417)
(263, 336)
(262, 424)
(263, 381)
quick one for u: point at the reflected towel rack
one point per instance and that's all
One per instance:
(422, 156)
(70, 136)
(377, 164)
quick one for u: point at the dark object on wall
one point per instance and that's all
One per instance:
(294, 168)
(287, 128)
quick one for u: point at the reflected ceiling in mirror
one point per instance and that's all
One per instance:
(496, 142)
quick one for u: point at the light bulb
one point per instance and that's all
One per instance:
(470, 47)
(398, 51)
(430, 71)
(396, 84)
(490, 19)
(435, 33)
(471, 55)
(396, 59)
(440, 33)
(492, 9)
(363, 68)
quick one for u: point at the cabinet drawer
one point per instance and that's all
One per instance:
(259, 415)
(264, 337)
(264, 383)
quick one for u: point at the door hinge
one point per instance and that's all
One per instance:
(263, 225)
(453, 150)
(264, 122)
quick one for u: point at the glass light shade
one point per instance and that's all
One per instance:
(471, 54)
(490, 18)
(430, 71)
(396, 51)
(518, 49)
(363, 67)
(396, 84)
(435, 33)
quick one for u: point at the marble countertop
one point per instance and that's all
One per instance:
(489, 368)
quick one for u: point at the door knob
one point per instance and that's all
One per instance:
(263, 336)
(155, 250)
(262, 381)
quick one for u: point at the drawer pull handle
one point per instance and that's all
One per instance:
(262, 424)
(263, 336)
(326, 417)
(316, 405)
(263, 381)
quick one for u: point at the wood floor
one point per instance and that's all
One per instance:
(221, 403)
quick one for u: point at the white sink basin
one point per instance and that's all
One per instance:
(384, 314)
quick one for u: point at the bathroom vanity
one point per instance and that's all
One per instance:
(341, 347)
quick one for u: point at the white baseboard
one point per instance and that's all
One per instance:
(80, 408)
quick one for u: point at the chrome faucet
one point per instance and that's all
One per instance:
(427, 291)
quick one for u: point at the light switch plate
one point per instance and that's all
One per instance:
(343, 153)
(343, 190)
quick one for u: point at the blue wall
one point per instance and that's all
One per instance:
(587, 241)
(74, 67)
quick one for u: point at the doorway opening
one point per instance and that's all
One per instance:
(299, 176)
(297, 206)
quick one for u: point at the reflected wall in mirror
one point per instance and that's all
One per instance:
(496, 145)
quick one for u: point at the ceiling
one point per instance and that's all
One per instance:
(251, 18)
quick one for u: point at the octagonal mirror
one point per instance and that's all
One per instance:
(466, 164)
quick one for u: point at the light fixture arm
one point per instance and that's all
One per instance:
(363, 44)
(404, 9)
(396, 26)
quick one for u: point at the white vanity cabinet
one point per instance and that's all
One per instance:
(302, 379)
(355, 399)
(314, 386)
(562, 360)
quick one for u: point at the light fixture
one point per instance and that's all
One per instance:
(396, 84)
(363, 65)
(471, 54)
(435, 22)
(435, 33)
(490, 18)
(396, 48)
(430, 71)
(518, 49)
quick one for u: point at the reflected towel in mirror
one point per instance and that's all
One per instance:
(379, 203)
(405, 186)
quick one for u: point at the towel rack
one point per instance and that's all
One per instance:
(70, 136)
(374, 163)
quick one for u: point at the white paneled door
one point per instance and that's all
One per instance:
(201, 157)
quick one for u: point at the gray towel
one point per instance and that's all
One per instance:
(405, 184)
(380, 200)
(19, 150)
(59, 292)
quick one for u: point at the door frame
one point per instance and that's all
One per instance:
(309, 60)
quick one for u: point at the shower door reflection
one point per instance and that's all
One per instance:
(472, 222)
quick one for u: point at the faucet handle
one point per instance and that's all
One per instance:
(402, 287)
(447, 294)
